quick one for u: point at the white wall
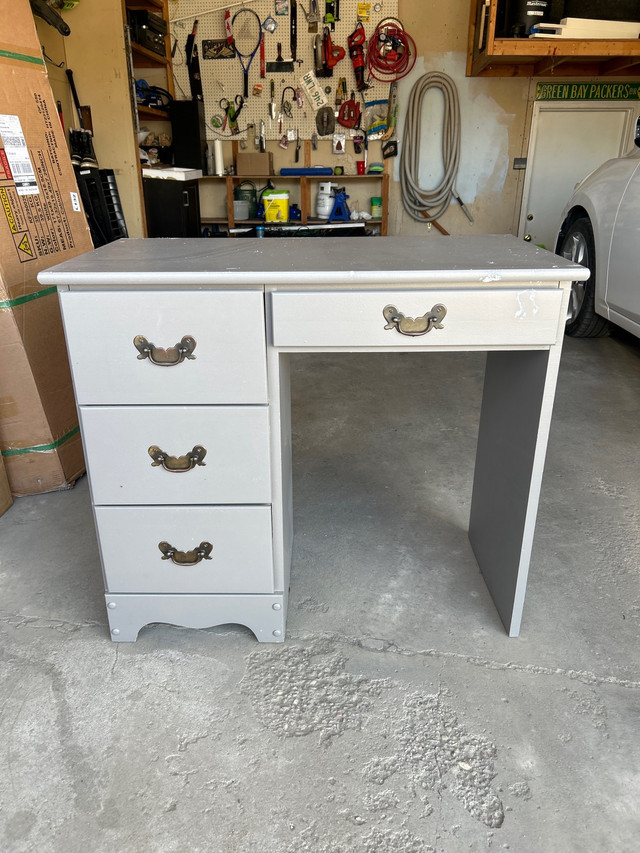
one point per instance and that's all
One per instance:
(494, 121)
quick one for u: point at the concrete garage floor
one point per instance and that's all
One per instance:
(398, 717)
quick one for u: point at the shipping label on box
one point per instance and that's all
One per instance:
(36, 197)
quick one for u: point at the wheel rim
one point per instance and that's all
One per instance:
(575, 249)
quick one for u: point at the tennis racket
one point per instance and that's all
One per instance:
(247, 35)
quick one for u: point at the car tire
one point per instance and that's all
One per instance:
(578, 246)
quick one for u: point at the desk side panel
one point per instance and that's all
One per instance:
(514, 426)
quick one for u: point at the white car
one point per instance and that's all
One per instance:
(601, 230)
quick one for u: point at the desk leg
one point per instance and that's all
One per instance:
(517, 401)
(281, 468)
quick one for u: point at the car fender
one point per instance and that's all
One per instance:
(598, 196)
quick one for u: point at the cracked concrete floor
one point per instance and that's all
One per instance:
(397, 717)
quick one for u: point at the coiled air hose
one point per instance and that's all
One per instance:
(427, 205)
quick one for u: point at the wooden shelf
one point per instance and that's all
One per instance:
(152, 113)
(489, 56)
(145, 5)
(231, 181)
(144, 58)
(333, 178)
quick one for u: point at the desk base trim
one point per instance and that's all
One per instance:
(264, 615)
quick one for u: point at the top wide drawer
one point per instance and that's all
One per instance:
(190, 347)
(416, 318)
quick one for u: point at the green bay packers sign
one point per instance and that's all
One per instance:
(614, 91)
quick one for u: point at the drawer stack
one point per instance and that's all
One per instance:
(172, 394)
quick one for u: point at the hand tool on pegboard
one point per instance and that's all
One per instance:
(193, 63)
(328, 54)
(312, 16)
(392, 111)
(330, 14)
(293, 29)
(272, 102)
(356, 42)
(232, 110)
(280, 66)
(350, 113)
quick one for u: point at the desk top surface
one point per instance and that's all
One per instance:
(308, 261)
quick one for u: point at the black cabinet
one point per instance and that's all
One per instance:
(172, 208)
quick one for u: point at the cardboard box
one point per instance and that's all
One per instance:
(5, 492)
(258, 165)
(41, 224)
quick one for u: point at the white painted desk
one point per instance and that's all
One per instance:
(180, 353)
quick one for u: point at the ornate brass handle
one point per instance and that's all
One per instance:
(165, 357)
(186, 558)
(420, 326)
(177, 464)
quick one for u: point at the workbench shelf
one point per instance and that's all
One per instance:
(489, 56)
(304, 183)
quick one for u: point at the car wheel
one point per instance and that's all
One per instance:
(578, 246)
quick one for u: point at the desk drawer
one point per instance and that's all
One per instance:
(230, 463)
(479, 317)
(238, 561)
(227, 364)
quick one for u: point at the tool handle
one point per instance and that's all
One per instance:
(294, 29)
(76, 100)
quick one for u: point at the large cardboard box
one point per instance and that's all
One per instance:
(41, 224)
(5, 492)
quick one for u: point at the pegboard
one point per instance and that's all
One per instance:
(222, 78)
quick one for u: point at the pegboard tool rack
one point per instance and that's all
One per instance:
(222, 78)
(305, 184)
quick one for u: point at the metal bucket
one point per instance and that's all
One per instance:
(246, 191)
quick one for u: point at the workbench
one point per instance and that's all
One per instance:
(180, 354)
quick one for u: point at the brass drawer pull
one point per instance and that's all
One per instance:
(165, 357)
(420, 326)
(186, 558)
(177, 464)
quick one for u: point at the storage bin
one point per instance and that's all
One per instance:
(240, 209)
(276, 205)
